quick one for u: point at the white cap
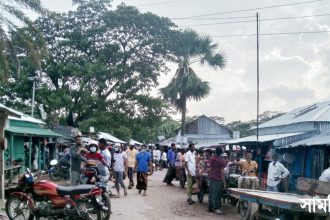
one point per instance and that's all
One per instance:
(92, 142)
(117, 145)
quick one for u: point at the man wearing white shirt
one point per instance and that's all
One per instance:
(190, 164)
(156, 156)
(276, 172)
(325, 176)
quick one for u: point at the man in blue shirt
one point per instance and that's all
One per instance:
(171, 173)
(142, 163)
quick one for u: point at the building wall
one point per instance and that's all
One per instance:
(2, 161)
(204, 125)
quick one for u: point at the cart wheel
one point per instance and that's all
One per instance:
(255, 216)
(233, 201)
(245, 209)
(264, 212)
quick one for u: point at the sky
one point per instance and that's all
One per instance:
(294, 68)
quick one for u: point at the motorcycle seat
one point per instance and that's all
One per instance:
(74, 190)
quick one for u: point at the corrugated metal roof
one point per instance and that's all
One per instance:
(315, 112)
(262, 138)
(11, 111)
(109, 137)
(134, 142)
(32, 131)
(21, 116)
(322, 139)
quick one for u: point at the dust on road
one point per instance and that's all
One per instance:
(164, 202)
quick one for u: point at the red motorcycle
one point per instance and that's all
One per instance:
(42, 198)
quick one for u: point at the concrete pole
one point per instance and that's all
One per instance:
(33, 93)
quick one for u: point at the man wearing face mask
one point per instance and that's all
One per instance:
(94, 157)
(76, 153)
(143, 162)
(120, 166)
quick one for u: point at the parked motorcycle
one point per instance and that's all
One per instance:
(92, 174)
(42, 198)
(60, 169)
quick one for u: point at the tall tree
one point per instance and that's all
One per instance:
(188, 48)
(101, 67)
(12, 17)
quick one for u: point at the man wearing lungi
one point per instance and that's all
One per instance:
(142, 163)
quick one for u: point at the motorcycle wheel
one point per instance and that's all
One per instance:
(18, 210)
(55, 175)
(107, 203)
(90, 211)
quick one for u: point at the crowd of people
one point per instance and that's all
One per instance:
(188, 164)
(217, 167)
(114, 163)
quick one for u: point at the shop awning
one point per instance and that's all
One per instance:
(109, 137)
(134, 142)
(322, 139)
(261, 138)
(26, 131)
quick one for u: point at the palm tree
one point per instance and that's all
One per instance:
(13, 39)
(188, 48)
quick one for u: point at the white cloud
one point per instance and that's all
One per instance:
(294, 68)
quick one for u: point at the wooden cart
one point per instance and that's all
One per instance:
(273, 205)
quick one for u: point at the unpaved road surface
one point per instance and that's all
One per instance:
(164, 202)
(161, 203)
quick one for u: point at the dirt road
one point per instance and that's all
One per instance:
(163, 202)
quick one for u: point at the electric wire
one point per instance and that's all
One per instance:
(269, 34)
(266, 19)
(245, 10)
(160, 3)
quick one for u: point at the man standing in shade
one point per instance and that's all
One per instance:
(76, 153)
(142, 164)
(276, 172)
(171, 173)
(190, 165)
(217, 181)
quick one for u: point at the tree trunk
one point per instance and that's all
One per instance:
(183, 119)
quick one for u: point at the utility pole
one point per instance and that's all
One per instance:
(34, 79)
(257, 16)
(33, 93)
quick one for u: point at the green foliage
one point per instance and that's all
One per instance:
(168, 127)
(246, 128)
(188, 48)
(16, 41)
(100, 68)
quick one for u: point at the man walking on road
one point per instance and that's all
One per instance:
(143, 162)
(190, 165)
(171, 157)
(131, 157)
(120, 166)
(217, 178)
(76, 152)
